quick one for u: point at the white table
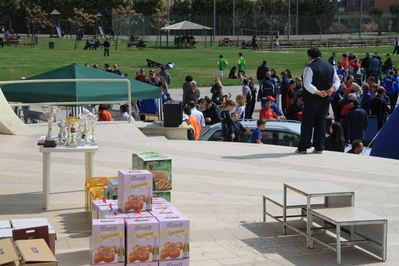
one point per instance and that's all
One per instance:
(367, 230)
(89, 166)
(334, 196)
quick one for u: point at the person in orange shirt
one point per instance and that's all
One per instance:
(345, 63)
(266, 112)
(103, 113)
(193, 121)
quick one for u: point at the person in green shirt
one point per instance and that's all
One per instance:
(241, 67)
(222, 64)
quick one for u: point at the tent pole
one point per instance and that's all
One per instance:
(129, 97)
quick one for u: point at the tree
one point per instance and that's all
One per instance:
(147, 7)
(376, 16)
(181, 9)
(82, 19)
(7, 7)
(352, 22)
(35, 14)
(159, 20)
(125, 17)
(394, 9)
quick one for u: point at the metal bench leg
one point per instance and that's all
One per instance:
(338, 233)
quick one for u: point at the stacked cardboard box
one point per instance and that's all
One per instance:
(155, 232)
(160, 166)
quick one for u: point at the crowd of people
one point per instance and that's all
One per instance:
(363, 87)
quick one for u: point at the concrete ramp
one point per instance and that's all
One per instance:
(10, 123)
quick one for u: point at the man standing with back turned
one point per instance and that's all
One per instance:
(320, 82)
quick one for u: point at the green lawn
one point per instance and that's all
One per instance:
(200, 62)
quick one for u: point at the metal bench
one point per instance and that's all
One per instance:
(366, 229)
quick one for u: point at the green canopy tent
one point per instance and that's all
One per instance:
(93, 91)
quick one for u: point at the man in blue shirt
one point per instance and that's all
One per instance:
(257, 133)
(374, 67)
(389, 83)
(366, 97)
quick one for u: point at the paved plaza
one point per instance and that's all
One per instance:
(219, 186)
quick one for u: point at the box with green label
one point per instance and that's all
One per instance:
(159, 165)
(167, 195)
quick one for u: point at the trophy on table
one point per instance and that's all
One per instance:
(50, 112)
(72, 121)
(62, 136)
(92, 123)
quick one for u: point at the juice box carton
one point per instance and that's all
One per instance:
(142, 242)
(165, 194)
(174, 237)
(108, 242)
(174, 263)
(161, 167)
(104, 202)
(135, 190)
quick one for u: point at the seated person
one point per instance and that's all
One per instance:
(87, 45)
(141, 45)
(266, 112)
(232, 74)
(103, 113)
(124, 116)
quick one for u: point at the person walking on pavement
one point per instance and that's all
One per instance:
(320, 82)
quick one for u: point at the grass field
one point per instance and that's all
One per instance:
(200, 62)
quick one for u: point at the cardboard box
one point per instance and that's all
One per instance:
(174, 263)
(134, 190)
(148, 263)
(114, 214)
(160, 166)
(34, 222)
(95, 204)
(135, 215)
(35, 252)
(108, 241)
(6, 233)
(174, 232)
(142, 242)
(8, 253)
(5, 224)
(93, 182)
(136, 156)
(113, 186)
(166, 194)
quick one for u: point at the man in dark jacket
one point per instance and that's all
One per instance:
(356, 122)
(210, 113)
(320, 81)
(379, 107)
(261, 72)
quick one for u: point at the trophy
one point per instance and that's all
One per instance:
(92, 123)
(72, 121)
(50, 112)
(62, 136)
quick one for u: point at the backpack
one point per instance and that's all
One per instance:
(190, 132)
(266, 89)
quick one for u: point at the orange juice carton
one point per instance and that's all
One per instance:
(108, 242)
(142, 242)
(174, 237)
(135, 190)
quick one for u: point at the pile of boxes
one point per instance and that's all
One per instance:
(138, 229)
(33, 246)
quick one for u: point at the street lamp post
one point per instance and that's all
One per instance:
(297, 13)
(234, 17)
(289, 19)
(214, 20)
(361, 17)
